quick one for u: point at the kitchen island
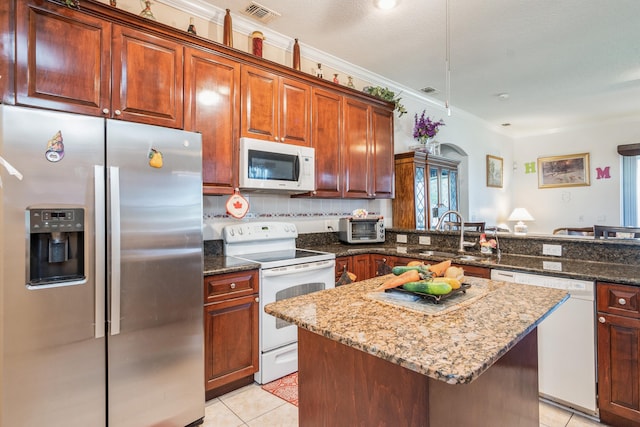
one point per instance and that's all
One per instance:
(364, 361)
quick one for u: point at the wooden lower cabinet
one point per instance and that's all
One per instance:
(618, 354)
(362, 267)
(342, 263)
(366, 266)
(231, 331)
(382, 264)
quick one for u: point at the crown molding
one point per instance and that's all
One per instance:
(245, 25)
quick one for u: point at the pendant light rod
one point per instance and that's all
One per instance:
(447, 61)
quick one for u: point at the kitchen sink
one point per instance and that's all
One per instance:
(435, 253)
(467, 257)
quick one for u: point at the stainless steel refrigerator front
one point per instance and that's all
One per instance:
(120, 343)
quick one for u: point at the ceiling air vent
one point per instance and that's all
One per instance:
(259, 12)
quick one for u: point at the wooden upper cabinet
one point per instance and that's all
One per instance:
(62, 59)
(295, 112)
(275, 108)
(71, 61)
(355, 150)
(382, 161)
(367, 151)
(147, 78)
(212, 93)
(327, 141)
(260, 95)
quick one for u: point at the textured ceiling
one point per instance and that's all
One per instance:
(563, 63)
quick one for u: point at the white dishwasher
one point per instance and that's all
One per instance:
(566, 342)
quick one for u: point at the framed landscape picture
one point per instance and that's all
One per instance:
(494, 171)
(563, 171)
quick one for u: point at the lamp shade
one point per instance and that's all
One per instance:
(520, 214)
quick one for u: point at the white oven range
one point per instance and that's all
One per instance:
(285, 272)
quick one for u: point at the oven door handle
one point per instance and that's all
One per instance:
(298, 268)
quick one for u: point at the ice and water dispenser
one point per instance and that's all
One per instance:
(56, 246)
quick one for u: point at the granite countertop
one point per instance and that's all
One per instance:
(455, 347)
(554, 266)
(219, 264)
(628, 273)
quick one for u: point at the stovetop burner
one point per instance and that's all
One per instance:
(271, 244)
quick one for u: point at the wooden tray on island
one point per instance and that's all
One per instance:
(432, 298)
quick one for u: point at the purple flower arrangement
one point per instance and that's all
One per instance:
(425, 128)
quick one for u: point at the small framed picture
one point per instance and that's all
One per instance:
(563, 171)
(494, 171)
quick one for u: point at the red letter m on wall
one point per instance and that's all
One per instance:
(603, 174)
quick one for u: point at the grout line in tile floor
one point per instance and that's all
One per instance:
(251, 406)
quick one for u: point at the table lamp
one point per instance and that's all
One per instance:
(520, 215)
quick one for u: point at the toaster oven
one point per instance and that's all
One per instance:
(361, 230)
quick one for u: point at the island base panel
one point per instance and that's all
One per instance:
(339, 385)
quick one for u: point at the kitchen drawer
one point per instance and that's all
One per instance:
(618, 299)
(230, 285)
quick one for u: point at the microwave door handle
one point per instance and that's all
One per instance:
(297, 168)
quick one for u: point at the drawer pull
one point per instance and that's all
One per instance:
(622, 301)
(601, 319)
(232, 286)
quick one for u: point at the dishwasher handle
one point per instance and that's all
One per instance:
(503, 276)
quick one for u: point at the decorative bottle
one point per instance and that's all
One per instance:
(227, 36)
(256, 43)
(296, 55)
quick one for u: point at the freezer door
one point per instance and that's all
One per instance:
(155, 338)
(52, 361)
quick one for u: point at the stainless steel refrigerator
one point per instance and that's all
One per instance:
(101, 272)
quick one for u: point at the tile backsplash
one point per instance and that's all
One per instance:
(309, 215)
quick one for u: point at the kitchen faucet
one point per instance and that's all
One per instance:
(495, 236)
(462, 242)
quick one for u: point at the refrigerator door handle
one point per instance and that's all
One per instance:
(114, 201)
(99, 249)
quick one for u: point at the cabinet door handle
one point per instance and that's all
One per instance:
(232, 286)
(601, 319)
(105, 111)
(257, 299)
(117, 112)
(622, 301)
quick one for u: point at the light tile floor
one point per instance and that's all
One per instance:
(251, 406)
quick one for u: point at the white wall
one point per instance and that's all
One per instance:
(598, 203)
(475, 139)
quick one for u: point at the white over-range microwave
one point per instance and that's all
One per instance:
(276, 166)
